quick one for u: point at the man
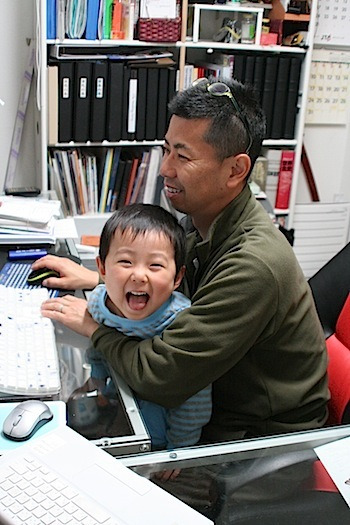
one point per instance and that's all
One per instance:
(252, 329)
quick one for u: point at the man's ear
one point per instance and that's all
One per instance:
(100, 268)
(240, 166)
(179, 277)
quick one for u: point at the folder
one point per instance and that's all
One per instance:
(239, 67)
(152, 103)
(141, 103)
(171, 89)
(292, 98)
(93, 7)
(281, 91)
(115, 101)
(249, 70)
(51, 19)
(81, 129)
(162, 102)
(65, 101)
(268, 98)
(99, 101)
(129, 104)
(258, 79)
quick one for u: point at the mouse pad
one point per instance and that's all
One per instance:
(58, 408)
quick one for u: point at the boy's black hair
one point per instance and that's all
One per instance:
(143, 218)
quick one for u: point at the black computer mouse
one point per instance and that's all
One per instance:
(38, 276)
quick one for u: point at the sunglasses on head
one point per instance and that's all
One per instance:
(219, 89)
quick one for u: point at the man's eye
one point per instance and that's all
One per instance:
(165, 150)
(183, 157)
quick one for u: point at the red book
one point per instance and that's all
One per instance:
(284, 180)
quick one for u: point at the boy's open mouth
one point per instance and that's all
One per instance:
(137, 300)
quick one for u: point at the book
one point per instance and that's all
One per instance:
(68, 180)
(134, 167)
(280, 104)
(118, 184)
(113, 178)
(292, 97)
(152, 175)
(137, 194)
(124, 183)
(284, 180)
(105, 180)
(92, 19)
(51, 19)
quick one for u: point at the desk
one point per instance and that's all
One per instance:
(115, 424)
(265, 481)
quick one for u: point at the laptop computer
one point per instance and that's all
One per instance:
(95, 483)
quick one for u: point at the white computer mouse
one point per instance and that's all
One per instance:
(25, 419)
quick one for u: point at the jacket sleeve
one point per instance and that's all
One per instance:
(203, 342)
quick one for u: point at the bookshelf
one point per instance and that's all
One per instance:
(196, 44)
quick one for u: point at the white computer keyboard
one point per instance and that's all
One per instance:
(28, 353)
(33, 494)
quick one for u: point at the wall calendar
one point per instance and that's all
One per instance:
(329, 88)
(333, 22)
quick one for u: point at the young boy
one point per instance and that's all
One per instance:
(141, 261)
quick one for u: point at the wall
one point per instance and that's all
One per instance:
(328, 147)
(16, 25)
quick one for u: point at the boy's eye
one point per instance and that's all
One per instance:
(157, 265)
(124, 261)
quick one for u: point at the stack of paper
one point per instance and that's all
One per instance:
(24, 220)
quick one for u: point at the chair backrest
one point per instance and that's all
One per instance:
(330, 287)
(338, 347)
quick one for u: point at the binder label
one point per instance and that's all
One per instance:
(132, 105)
(99, 87)
(65, 87)
(83, 87)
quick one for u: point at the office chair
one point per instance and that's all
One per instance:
(330, 287)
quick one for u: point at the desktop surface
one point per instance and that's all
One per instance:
(108, 419)
(275, 480)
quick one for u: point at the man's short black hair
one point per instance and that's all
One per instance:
(140, 219)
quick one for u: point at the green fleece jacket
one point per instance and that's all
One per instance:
(252, 330)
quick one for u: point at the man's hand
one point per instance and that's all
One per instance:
(72, 312)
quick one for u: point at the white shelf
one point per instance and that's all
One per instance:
(208, 44)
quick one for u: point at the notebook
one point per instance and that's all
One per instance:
(101, 481)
